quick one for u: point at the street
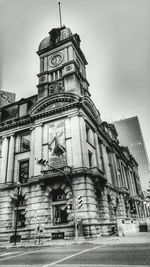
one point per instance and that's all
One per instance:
(125, 251)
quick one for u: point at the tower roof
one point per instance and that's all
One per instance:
(56, 35)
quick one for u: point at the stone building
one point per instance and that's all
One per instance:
(62, 125)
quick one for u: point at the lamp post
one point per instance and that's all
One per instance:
(45, 163)
(16, 221)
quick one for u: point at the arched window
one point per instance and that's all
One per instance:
(59, 204)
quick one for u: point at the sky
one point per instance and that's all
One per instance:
(115, 38)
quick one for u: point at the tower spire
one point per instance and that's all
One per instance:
(60, 14)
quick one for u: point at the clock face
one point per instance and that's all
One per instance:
(55, 60)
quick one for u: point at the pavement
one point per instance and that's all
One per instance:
(136, 238)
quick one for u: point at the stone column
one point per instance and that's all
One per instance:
(83, 142)
(98, 163)
(4, 160)
(106, 164)
(70, 52)
(18, 141)
(31, 165)
(115, 169)
(10, 169)
(76, 142)
(68, 139)
(37, 148)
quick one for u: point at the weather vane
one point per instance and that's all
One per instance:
(60, 14)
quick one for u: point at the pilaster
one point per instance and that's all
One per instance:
(76, 142)
(10, 169)
(83, 142)
(4, 160)
(37, 148)
(32, 144)
(106, 164)
(115, 177)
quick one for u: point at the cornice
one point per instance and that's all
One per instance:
(15, 123)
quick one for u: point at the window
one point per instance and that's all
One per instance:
(90, 155)
(109, 155)
(20, 210)
(101, 155)
(0, 147)
(89, 135)
(59, 206)
(119, 174)
(87, 132)
(25, 142)
(23, 171)
(123, 176)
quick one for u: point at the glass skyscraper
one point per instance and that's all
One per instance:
(130, 135)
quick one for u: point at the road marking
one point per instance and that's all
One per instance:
(8, 253)
(29, 252)
(94, 265)
(73, 255)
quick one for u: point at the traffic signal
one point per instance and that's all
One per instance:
(42, 162)
(69, 208)
(80, 202)
(69, 205)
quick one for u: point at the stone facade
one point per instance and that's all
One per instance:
(62, 125)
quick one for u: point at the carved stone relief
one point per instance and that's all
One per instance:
(56, 87)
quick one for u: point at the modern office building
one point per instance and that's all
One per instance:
(62, 169)
(130, 135)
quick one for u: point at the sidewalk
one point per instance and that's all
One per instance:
(143, 237)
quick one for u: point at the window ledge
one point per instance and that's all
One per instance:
(16, 153)
(90, 143)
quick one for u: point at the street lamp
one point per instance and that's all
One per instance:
(45, 163)
(16, 221)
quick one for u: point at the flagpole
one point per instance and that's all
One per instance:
(60, 18)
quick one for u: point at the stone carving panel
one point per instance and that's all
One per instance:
(56, 87)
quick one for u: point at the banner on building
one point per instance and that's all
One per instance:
(57, 150)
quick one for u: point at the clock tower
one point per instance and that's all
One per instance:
(62, 64)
